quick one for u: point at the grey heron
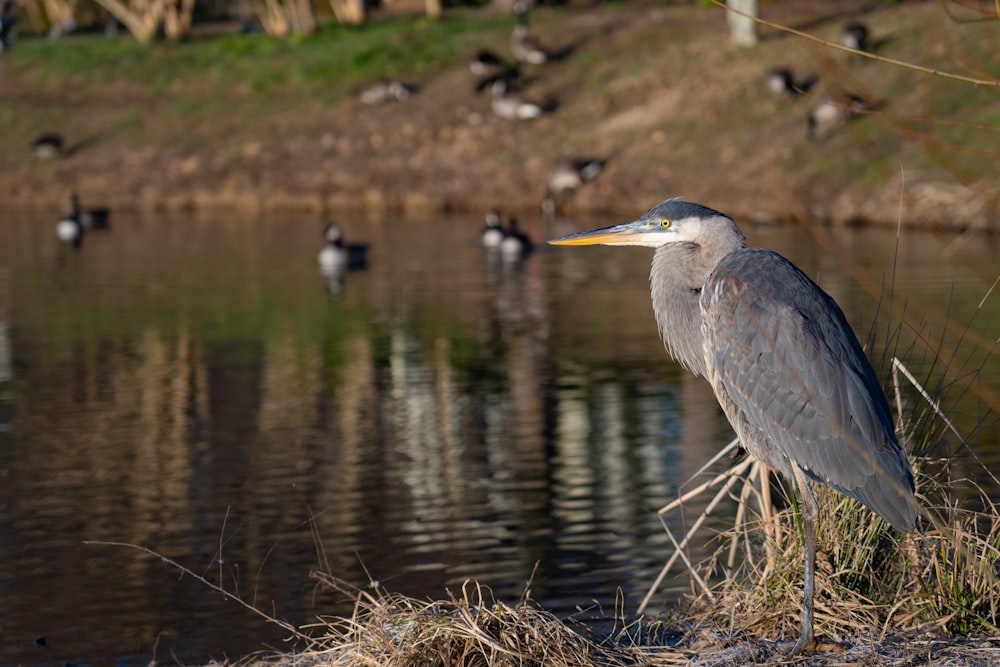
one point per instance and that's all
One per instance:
(790, 374)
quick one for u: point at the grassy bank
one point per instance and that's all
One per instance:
(222, 62)
(253, 121)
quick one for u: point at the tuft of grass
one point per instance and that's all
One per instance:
(471, 629)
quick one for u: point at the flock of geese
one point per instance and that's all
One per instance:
(511, 243)
(499, 79)
(336, 258)
(834, 109)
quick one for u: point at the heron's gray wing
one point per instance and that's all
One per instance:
(796, 384)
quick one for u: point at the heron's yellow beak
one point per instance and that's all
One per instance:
(630, 233)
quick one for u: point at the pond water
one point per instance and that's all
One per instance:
(192, 385)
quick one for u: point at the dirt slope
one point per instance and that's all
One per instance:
(657, 90)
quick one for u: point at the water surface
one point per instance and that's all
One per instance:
(194, 386)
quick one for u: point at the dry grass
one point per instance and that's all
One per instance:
(870, 581)
(882, 598)
(471, 629)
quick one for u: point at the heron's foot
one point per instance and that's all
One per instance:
(792, 649)
(805, 643)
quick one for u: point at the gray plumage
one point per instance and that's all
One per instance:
(785, 365)
(787, 368)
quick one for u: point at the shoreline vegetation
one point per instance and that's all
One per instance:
(228, 121)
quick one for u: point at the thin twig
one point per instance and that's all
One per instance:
(936, 406)
(731, 476)
(285, 625)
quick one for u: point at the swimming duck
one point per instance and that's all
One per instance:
(337, 255)
(69, 230)
(89, 218)
(516, 244)
(493, 233)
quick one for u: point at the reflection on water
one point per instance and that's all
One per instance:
(189, 385)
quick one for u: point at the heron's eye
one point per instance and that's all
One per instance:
(665, 222)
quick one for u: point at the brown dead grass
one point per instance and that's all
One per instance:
(473, 629)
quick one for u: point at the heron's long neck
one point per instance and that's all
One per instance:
(676, 278)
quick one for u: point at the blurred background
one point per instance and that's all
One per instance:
(265, 336)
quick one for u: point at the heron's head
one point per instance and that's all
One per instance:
(670, 221)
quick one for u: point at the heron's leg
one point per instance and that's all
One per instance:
(809, 511)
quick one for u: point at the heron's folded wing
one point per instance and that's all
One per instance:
(787, 359)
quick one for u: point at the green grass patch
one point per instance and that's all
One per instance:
(335, 55)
